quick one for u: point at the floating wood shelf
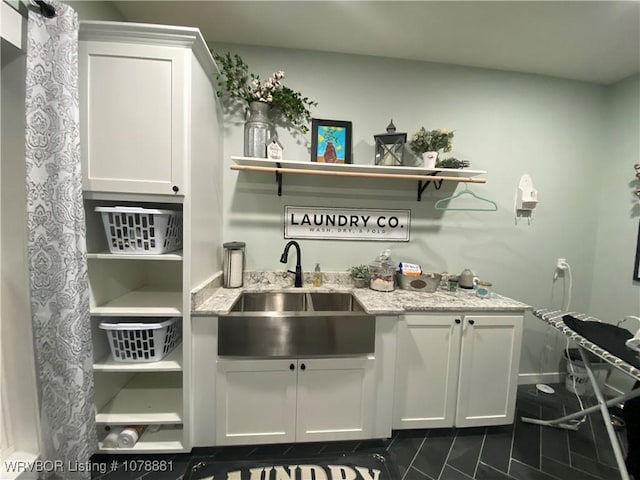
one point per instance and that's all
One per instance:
(423, 175)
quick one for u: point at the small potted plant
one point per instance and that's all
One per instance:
(428, 144)
(360, 275)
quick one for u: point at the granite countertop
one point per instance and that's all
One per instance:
(214, 300)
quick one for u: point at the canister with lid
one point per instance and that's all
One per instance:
(483, 289)
(382, 272)
(233, 264)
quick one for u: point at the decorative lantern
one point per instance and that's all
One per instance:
(390, 146)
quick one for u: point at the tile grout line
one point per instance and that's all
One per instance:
(540, 439)
(459, 471)
(513, 436)
(591, 473)
(448, 455)
(544, 473)
(420, 471)
(484, 439)
(414, 457)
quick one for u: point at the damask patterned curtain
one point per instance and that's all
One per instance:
(56, 242)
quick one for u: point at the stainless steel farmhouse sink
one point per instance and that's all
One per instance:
(292, 324)
(296, 302)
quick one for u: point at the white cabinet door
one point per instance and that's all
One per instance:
(426, 371)
(335, 399)
(489, 363)
(133, 116)
(255, 401)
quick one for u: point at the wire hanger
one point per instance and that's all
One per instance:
(491, 207)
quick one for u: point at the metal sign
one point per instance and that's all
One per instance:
(347, 224)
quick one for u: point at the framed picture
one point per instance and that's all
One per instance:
(330, 141)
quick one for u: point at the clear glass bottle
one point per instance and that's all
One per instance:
(317, 276)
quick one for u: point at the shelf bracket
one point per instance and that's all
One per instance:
(422, 186)
(279, 178)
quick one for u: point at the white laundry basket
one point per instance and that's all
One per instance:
(134, 341)
(137, 230)
(577, 379)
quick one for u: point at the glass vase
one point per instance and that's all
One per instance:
(257, 130)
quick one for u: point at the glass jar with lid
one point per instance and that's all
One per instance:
(382, 273)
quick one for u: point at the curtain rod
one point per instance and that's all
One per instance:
(46, 10)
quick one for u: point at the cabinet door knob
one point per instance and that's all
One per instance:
(302, 367)
(292, 367)
(458, 321)
(176, 189)
(471, 322)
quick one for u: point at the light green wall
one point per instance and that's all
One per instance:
(507, 124)
(615, 294)
(88, 10)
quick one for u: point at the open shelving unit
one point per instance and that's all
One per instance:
(424, 176)
(171, 363)
(164, 440)
(132, 285)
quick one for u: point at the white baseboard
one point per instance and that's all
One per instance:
(534, 378)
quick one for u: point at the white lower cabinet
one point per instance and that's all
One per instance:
(426, 371)
(489, 364)
(288, 400)
(456, 370)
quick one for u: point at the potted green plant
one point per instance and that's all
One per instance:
(266, 101)
(359, 275)
(428, 143)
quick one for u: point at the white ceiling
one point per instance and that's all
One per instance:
(593, 41)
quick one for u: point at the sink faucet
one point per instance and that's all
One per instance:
(285, 255)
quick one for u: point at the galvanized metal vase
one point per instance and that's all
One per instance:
(257, 130)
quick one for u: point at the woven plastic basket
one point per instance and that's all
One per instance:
(138, 230)
(136, 341)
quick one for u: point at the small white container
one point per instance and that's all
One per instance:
(483, 289)
(111, 440)
(130, 436)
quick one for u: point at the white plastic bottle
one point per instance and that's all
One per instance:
(111, 440)
(130, 436)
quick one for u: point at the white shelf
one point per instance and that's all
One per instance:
(173, 256)
(349, 167)
(423, 176)
(165, 440)
(171, 363)
(145, 302)
(140, 404)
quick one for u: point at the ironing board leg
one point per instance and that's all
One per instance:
(602, 406)
(560, 422)
(617, 451)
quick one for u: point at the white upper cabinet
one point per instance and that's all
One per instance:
(136, 89)
(134, 111)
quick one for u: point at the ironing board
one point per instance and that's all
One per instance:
(554, 318)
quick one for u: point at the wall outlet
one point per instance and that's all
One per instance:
(561, 264)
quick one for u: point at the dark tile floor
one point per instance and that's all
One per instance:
(520, 451)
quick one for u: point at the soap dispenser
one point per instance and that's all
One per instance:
(317, 276)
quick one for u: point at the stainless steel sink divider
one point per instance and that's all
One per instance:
(309, 304)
